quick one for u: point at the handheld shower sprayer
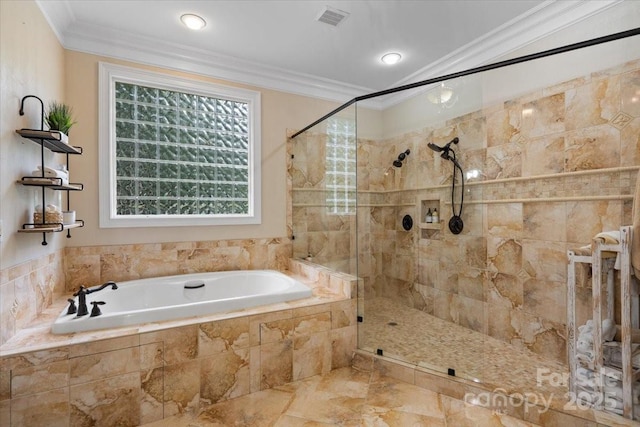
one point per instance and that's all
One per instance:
(398, 163)
(455, 223)
(444, 150)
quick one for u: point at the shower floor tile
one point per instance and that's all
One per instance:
(419, 338)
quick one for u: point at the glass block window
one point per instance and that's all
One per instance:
(341, 166)
(181, 153)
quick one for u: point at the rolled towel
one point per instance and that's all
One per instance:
(586, 356)
(52, 173)
(587, 384)
(613, 404)
(608, 330)
(585, 342)
(613, 357)
(616, 393)
(621, 412)
(584, 373)
(587, 327)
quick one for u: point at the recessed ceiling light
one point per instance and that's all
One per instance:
(193, 22)
(391, 58)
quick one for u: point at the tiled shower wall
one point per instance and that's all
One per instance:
(328, 238)
(555, 168)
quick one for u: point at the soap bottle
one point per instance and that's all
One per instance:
(428, 217)
(435, 217)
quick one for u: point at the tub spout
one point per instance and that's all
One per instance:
(82, 296)
(101, 287)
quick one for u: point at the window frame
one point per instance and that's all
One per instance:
(108, 75)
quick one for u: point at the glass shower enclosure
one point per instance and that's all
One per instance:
(548, 150)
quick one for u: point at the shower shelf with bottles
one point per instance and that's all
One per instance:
(55, 142)
(428, 225)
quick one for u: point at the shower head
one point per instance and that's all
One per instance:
(398, 163)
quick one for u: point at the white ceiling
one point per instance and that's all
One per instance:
(280, 44)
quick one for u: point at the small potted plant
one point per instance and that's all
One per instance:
(59, 118)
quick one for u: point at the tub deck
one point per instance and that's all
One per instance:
(38, 336)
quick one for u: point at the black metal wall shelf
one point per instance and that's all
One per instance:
(52, 140)
(56, 142)
(49, 228)
(52, 183)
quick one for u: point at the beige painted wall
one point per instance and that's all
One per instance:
(280, 111)
(34, 62)
(31, 63)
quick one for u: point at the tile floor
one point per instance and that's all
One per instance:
(351, 397)
(425, 340)
(343, 397)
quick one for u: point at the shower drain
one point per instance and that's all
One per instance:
(392, 324)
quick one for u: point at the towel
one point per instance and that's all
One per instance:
(585, 356)
(616, 393)
(52, 173)
(608, 330)
(613, 357)
(635, 223)
(608, 237)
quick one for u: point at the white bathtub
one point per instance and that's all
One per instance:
(166, 298)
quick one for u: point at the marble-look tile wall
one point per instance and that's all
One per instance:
(146, 377)
(26, 289)
(92, 265)
(555, 167)
(329, 238)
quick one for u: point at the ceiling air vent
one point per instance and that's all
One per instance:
(333, 16)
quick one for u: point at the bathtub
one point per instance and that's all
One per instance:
(174, 297)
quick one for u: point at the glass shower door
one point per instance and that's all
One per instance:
(422, 297)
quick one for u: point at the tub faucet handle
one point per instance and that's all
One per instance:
(72, 306)
(95, 311)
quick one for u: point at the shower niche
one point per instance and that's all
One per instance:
(430, 223)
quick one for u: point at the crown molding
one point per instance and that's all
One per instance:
(145, 50)
(544, 20)
(59, 15)
(547, 18)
